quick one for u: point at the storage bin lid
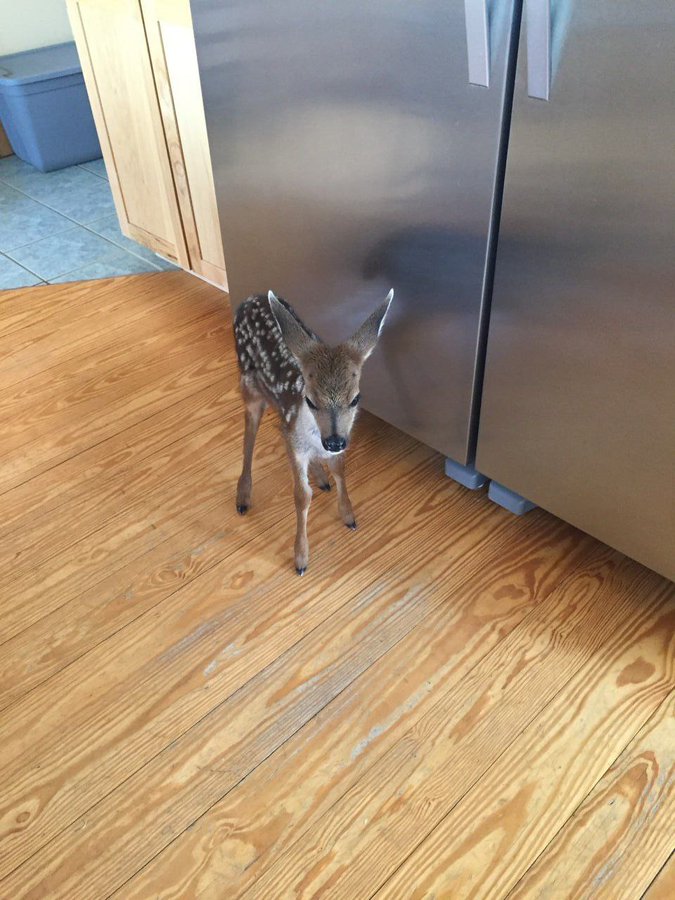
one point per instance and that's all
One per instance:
(39, 65)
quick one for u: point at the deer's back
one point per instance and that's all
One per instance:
(264, 357)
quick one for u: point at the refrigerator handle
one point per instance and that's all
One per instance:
(477, 41)
(538, 18)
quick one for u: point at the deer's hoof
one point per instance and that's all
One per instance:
(242, 509)
(324, 487)
(351, 525)
(301, 570)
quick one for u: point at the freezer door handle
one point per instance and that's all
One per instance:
(538, 19)
(477, 41)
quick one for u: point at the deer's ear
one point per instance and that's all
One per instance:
(295, 335)
(365, 339)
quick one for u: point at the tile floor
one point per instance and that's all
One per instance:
(61, 226)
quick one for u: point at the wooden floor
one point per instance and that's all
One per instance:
(453, 702)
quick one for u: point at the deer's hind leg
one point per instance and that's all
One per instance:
(318, 473)
(254, 407)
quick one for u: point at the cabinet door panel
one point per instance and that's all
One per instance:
(111, 41)
(174, 60)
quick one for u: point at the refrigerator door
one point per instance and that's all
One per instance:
(578, 410)
(352, 154)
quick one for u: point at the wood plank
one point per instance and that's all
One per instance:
(306, 675)
(146, 682)
(490, 837)
(80, 388)
(81, 475)
(362, 839)
(5, 146)
(66, 631)
(227, 849)
(616, 842)
(447, 703)
(28, 548)
(55, 341)
(147, 390)
(78, 300)
(45, 579)
(663, 886)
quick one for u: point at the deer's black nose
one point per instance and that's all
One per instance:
(334, 443)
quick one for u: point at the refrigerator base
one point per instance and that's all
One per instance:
(511, 501)
(465, 475)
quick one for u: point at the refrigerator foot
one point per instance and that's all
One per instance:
(509, 499)
(465, 475)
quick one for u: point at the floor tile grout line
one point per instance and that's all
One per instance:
(102, 262)
(71, 227)
(85, 225)
(21, 266)
(46, 205)
(7, 253)
(74, 225)
(130, 252)
(91, 171)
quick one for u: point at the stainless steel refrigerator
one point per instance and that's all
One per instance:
(357, 146)
(578, 410)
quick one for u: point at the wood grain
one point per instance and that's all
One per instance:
(663, 886)
(44, 402)
(232, 844)
(112, 46)
(446, 703)
(76, 302)
(51, 343)
(65, 632)
(5, 146)
(489, 839)
(48, 494)
(410, 790)
(261, 716)
(170, 36)
(111, 407)
(600, 851)
(151, 673)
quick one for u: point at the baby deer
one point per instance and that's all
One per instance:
(315, 390)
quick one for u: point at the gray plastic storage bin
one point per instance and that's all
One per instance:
(44, 108)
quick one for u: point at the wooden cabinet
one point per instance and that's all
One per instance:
(171, 41)
(140, 67)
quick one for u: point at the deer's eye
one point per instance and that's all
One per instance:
(310, 404)
(355, 401)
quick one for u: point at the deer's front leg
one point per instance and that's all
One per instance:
(337, 466)
(303, 497)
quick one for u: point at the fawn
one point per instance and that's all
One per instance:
(315, 390)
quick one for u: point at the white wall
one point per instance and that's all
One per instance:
(25, 24)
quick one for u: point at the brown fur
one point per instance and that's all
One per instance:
(315, 390)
